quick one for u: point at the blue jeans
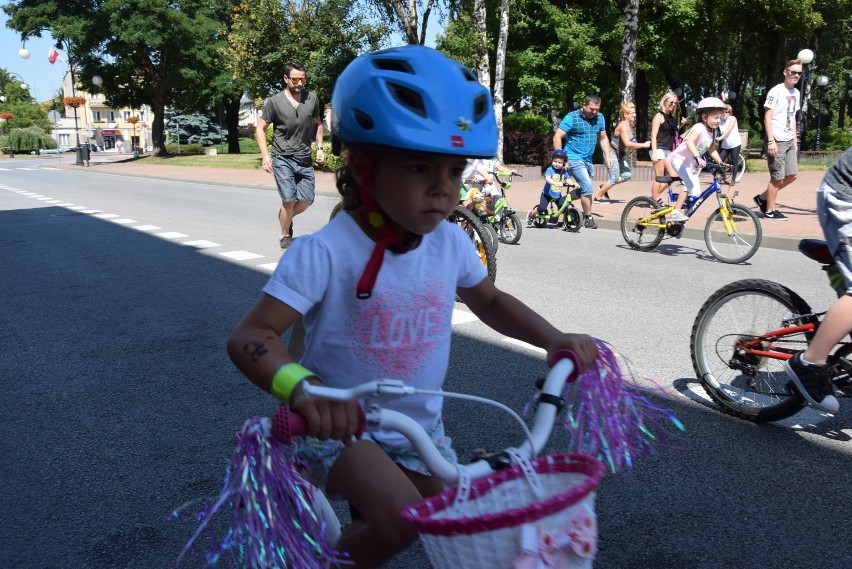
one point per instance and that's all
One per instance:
(582, 172)
(295, 179)
(620, 171)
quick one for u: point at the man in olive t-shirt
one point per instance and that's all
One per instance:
(295, 116)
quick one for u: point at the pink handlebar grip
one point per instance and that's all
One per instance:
(287, 424)
(566, 353)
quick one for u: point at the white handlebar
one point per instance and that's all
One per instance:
(378, 418)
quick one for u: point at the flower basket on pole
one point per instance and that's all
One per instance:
(6, 116)
(74, 102)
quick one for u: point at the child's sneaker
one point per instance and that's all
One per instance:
(813, 383)
(530, 218)
(677, 216)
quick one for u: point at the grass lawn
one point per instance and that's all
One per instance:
(238, 161)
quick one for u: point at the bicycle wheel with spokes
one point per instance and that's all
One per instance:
(573, 219)
(640, 236)
(510, 229)
(479, 236)
(733, 356)
(741, 167)
(738, 244)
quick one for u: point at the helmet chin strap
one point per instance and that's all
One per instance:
(387, 238)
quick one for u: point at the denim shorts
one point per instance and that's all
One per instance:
(835, 218)
(620, 171)
(582, 172)
(319, 456)
(294, 177)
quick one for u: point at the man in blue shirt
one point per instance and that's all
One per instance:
(578, 132)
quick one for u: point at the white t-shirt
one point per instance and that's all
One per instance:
(784, 102)
(733, 139)
(401, 332)
(683, 160)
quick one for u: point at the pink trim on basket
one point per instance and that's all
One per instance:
(420, 515)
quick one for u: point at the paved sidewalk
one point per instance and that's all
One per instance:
(797, 201)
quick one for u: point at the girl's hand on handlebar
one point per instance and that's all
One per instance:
(581, 344)
(326, 419)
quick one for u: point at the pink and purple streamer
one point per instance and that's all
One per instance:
(274, 522)
(612, 419)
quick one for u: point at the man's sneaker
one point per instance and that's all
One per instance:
(677, 216)
(600, 202)
(813, 383)
(761, 203)
(590, 223)
(285, 241)
(775, 214)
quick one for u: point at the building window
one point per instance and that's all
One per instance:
(96, 116)
(126, 115)
(141, 115)
(111, 116)
(65, 140)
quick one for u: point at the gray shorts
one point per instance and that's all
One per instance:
(294, 177)
(785, 162)
(835, 218)
(319, 456)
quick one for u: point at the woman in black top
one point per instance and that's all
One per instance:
(664, 128)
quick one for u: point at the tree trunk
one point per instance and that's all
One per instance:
(500, 73)
(483, 70)
(232, 118)
(628, 51)
(158, 128)
(644, 112)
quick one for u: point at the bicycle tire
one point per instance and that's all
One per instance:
(741, 167)
(493, 233)
(573, 219)
(640, 237)
(479, 237)
(511, 229)
(741, 245)
(748, 386)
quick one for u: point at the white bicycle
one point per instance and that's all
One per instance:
(503, 510)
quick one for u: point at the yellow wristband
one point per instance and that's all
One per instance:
(287, 378)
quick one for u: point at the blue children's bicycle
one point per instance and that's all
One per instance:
(732, 233)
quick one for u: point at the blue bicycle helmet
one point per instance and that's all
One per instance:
(414, 98)
(559, 153)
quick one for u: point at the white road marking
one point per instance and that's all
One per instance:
(268, 266)
(105, 215)
(241, 255)
(123, 221)
(201, 244)
(146, 227)
(172, 235)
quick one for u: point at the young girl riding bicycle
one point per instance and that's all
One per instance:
(376, 286)
(688, 158)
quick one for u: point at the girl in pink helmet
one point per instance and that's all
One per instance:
(688, 158)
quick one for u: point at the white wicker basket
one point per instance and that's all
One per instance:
(503, 520)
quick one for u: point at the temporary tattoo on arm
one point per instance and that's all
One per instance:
(255, 350)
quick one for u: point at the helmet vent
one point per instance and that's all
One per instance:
(468, 74)
(364, 120)
(398, 65)
(408, 98)
(480, 108)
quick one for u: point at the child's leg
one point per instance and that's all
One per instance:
(379, 489)
(836, 324)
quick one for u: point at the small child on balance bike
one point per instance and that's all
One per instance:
(555, 178)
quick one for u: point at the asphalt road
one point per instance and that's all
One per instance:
(120, 403)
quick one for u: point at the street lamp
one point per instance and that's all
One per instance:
(805, 56)
(24, 53)
(4, 98)
(822, 81)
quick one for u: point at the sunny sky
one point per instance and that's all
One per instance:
(43, 78)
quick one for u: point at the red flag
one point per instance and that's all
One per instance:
(52, 55)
